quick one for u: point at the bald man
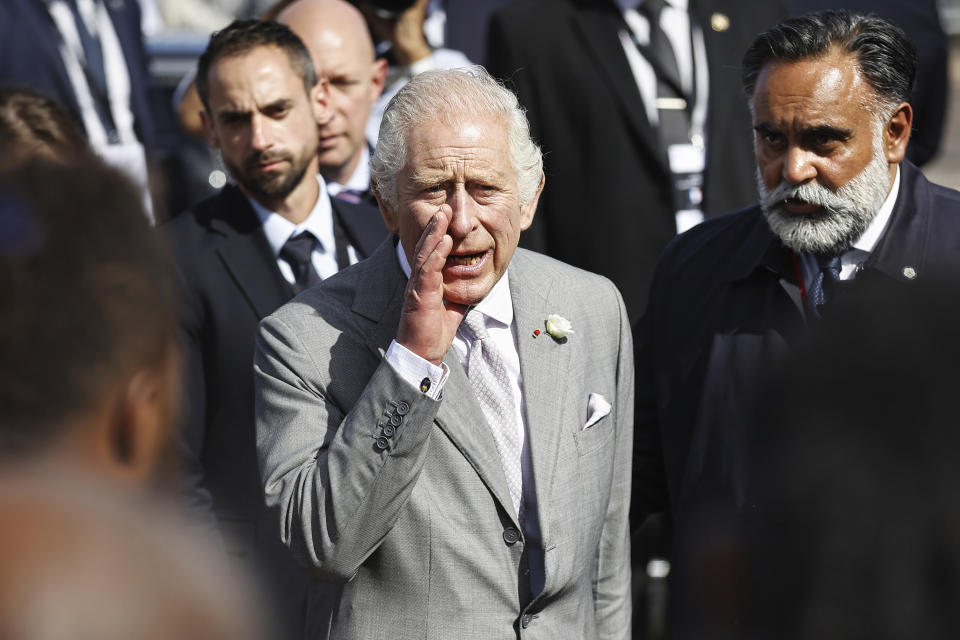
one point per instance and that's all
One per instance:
(336, 34)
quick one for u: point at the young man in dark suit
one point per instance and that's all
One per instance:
(243, 253)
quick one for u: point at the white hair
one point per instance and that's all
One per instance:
(447, 96)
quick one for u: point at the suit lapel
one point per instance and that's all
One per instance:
(598, 25)
(247, 255)
(541, 361)
(363, 225)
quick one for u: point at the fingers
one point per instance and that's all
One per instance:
(434, 242)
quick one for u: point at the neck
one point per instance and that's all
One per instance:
(343, 173)
(298, 204)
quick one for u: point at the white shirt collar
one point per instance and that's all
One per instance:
(360, 178)
(497, 305)
(278, 229)
(871, 236)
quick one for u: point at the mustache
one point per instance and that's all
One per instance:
(810, 193)
(264, 157)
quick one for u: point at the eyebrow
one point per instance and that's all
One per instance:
(825, 130)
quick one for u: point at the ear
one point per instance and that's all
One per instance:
(390, 217)
(209, 131)
(379, 78)
(896, 133)
(139, 439)
(320, 101)
(528, 210)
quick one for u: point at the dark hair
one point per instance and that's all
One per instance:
(886, 58)
(87, 293)
(242, 36)
(32, 123)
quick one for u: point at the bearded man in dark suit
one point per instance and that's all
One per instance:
(243, 253)
(839, 208)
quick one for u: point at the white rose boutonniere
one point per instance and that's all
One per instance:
(558, 326)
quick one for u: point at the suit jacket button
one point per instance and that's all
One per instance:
(526, 620)
(388, 430)
(395, 420)
(403, 408)
(511, 535)
(382, 443)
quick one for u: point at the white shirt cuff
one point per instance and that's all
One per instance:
(421, 374)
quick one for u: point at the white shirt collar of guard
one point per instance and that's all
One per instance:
(278, 229)
(871, 236)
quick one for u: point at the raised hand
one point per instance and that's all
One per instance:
(428, 322)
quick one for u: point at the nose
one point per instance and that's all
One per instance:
(798, 166)
(463, 218)
(260, 134)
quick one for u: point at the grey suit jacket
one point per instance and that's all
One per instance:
(409, 542)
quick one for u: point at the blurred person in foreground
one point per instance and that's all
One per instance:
(444, 429)
(241, 254)
(857, 534)
(90, 374)
(32, 124)
(78, 562)
(91, 546)
(839, 207)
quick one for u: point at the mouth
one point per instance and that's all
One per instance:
(329, 142)
(467, 260)
(796, 206)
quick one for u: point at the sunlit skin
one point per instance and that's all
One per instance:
(265, 124)
(342, 51)
(459, 220)
(812, 123)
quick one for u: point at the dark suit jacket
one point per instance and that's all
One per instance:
(30, 57)
(230, 281)
(607, 203)
(725, 309)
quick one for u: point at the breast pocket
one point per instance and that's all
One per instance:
(594, 437)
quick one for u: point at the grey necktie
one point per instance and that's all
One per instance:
(488, 375)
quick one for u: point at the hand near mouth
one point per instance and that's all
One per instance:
(428, 322)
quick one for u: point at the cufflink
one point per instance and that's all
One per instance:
(425, 385)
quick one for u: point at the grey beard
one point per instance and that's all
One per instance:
(844, 215)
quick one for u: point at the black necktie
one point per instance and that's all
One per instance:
(93, 66)
(297, 251)
(675, 119)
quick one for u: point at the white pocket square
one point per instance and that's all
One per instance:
(597, 408)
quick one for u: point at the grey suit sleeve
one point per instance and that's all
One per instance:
(337, 493)
(612, 598)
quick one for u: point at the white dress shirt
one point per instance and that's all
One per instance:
(320, 223)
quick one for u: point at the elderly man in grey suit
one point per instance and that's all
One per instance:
(444, 429)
